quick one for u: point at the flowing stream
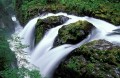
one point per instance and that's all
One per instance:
(44, 56)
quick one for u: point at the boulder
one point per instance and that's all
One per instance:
(97, 59)
(74, 33)
(46, 24)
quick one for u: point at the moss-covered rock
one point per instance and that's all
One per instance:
(97, 59)
(108, 13)
(53, 21)
(74, 33)
(47, 23)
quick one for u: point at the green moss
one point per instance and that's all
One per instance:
(75, 63)
(97, 59)
(90, 67)
(96, 51)
(75, 32)
(94, 8)
(47, 23)
(39, 31)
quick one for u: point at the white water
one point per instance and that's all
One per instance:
(102, 25)
(47, 42)
(54, 57)
(27, 35)
(14, 18)
(48, 59)
(18, 27)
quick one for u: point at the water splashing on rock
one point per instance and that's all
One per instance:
(47, 58)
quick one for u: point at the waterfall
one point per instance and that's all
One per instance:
(55, 56)
(47, 42)
(101, 25)
(27, 35)
(47, 58)
(13, 18)
(18, 27)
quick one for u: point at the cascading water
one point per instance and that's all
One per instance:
(48, 59)
(27, 35)
(101, 25)
(18, 27)
(47, 42)
(55, 55)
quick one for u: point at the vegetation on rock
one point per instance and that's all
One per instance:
(74, 33)
(104, 9)
(97, 59)
(47, 23)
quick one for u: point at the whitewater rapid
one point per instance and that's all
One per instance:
(47, 58)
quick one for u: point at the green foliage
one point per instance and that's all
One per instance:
(7, 60)
(39, 32)
(6, 55)
(80, 4)
(20, 73)
(34, 74)
(90, 67)
(94, 8)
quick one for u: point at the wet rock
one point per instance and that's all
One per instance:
(74, 33)
(54, 21)
(102, 45)
(108, 13)
(46, 24)
(97, 59)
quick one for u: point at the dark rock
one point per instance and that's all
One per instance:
(102, 45)
(54, 21)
